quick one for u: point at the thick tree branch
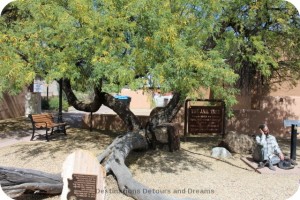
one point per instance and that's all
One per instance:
(122, 109)
(79, 105)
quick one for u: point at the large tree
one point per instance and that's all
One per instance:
(181, 46)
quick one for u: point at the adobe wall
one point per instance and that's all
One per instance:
(281, 103)
(285, 90)
(108, 122)
(139, 99)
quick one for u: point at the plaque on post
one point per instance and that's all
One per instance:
(83, 177)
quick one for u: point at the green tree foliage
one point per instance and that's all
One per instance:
(260, 40)
(177, 45)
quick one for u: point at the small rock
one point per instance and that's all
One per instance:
(220, 152)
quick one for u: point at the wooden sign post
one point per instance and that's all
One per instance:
(83, 177)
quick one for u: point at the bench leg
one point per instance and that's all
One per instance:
(64, 129)
(47, 138)
(33, 130)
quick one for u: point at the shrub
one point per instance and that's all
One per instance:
(45, 104)
(54, 104)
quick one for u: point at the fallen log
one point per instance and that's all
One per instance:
(17, 181)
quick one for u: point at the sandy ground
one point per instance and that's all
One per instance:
(190, 172)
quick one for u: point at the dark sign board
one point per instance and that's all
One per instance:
(82, 187)
(204, 116)
(205, 119)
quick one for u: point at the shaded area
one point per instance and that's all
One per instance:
(157, 161)
(21, 127)
(29, 196)
(75, 139)
(108, 122)
(204, 141)
(153, 161)
(15, 127)
(161, 160)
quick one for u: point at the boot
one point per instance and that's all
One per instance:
(261, 164)
(271, 167)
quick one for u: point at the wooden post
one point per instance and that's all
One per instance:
(83, 177)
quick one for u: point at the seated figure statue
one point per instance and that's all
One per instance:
(267, 151)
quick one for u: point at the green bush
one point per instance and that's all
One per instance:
(54, 104)
(45, 104)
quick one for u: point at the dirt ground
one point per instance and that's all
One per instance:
(190, 172)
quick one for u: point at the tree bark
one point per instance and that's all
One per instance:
(122, 110)
(16, 181)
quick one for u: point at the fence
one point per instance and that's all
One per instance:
(12, 106)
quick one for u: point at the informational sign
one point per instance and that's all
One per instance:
(205, 119)
(204, 116)
(37, 87)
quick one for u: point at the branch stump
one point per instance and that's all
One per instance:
(168, 133)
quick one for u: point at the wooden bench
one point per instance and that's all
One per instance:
(45, 121)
